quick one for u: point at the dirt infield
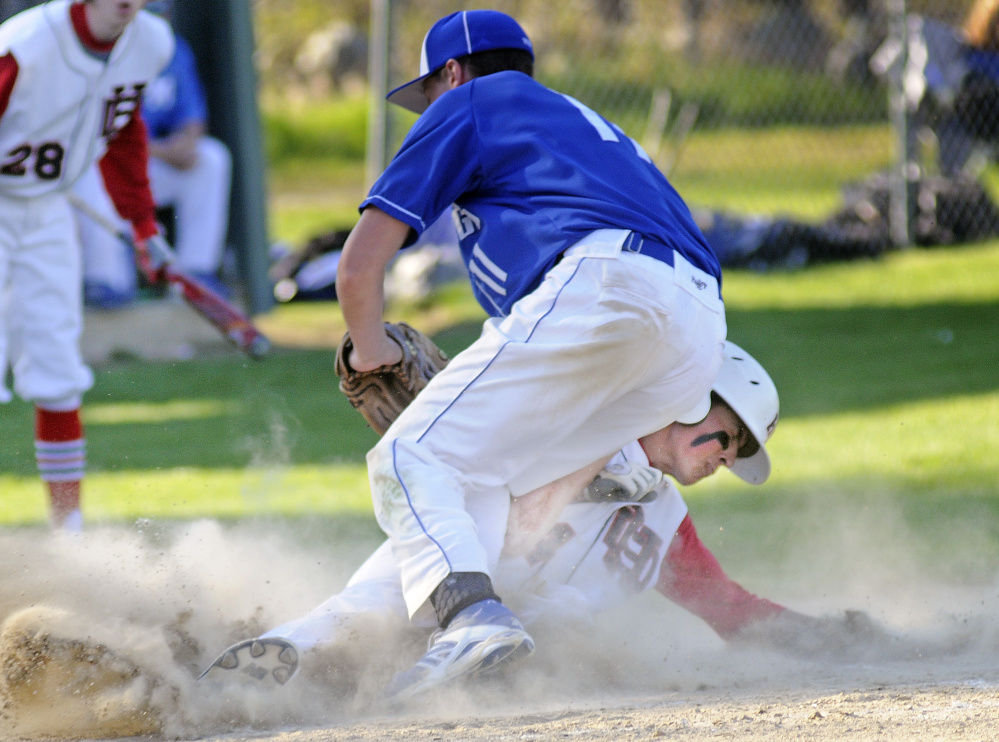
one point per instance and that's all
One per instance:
(958, 712)
(103, 635)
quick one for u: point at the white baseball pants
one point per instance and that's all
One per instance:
(40, 296)
(612, 346)
(200, 197)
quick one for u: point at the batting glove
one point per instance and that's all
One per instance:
(624, 482)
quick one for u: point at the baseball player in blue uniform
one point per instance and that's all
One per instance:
(606, 324)
(584, 543)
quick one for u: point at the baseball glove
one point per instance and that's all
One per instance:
(384, 392)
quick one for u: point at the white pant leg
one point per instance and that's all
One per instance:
(44, 294)
(106, 259)
(200, 197)
(374, 589)
(609, 348)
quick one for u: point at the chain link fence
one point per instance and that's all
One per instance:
(843, 127)
(790, 114)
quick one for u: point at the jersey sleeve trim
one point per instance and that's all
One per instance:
(394, 210)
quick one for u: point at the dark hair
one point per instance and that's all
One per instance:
(481, 64)
(499, 60)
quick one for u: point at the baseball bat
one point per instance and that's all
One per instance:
(222, 314)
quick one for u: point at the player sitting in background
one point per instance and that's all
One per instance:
(581, 544)
(71, 80)
(188, 170)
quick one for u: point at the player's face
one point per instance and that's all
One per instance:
(689, 453)
(109, 18)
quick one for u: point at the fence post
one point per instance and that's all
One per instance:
(376, 155)
(906, 169)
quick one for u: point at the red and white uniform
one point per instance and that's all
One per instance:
(595, 557)
(66, 101)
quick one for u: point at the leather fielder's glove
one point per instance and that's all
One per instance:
(381, 394)
(625, 482)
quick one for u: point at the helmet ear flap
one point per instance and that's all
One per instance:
(745, 386)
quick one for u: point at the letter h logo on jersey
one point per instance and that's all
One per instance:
(118, 111)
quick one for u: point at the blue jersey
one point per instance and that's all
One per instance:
(530, 172)
(175, 98)
(985, 62)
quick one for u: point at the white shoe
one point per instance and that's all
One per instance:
(478, 640)
(257, 661)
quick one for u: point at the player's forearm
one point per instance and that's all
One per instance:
(692, 577)
(125, 173)
(360, 285)
(180, 149)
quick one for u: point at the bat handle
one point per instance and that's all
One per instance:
(159, 251)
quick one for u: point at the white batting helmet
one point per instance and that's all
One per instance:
(748, 389)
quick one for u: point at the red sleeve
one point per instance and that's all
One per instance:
(692, 578)
(8, 76)
(125, 171)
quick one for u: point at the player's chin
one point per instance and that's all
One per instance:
(694, 476)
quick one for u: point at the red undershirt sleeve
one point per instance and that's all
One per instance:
(692, 578)
(8, 76)
(125, 171)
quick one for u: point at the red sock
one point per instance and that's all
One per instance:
(60, 453)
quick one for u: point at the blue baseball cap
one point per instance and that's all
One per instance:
(458, 35)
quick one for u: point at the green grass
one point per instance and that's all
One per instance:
(315, 156)
(728, 95)
(797, 171)
(325, 128)
(888, 371)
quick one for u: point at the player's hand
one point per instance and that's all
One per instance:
(624, 482)
(151, 256)
(847, 636)
(383, 352)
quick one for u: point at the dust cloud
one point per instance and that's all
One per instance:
(104, 634)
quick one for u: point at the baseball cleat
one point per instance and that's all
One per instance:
(255, 661)
(479, 640)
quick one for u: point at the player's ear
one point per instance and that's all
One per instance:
(456, 73)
